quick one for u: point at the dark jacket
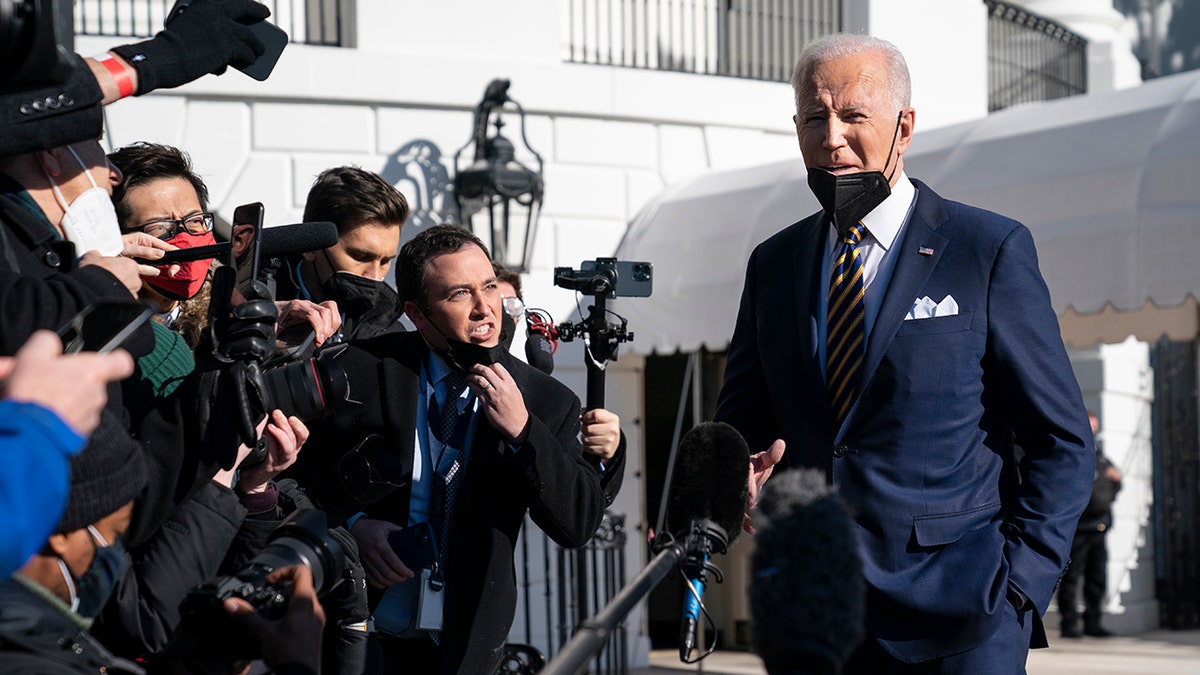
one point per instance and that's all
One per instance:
(1097, 517)
(546, 477)
(40, 287)
(39, 638)
(186, 551)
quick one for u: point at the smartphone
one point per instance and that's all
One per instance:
(273, 38)
(415, 545)
(102, 327)
(244, 238)
(634, 279)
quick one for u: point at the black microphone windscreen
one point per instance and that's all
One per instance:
(537, 351)
(710, 479)
(806, 585)
(284, 240)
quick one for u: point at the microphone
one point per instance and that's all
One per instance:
(537, 350)
(541, 340)
(283, 240)
(277, 241)
(708, 494)
(806, 588)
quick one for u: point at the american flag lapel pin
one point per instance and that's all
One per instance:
(925, 250)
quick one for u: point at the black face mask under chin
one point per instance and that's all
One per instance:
(462, 356)
(848, 198)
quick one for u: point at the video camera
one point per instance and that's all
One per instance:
(302, 539)
(299, 381)
(37, 42)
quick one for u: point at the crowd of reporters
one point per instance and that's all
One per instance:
(115, 506)
(146, 527)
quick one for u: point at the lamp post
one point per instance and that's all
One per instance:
(499, 197)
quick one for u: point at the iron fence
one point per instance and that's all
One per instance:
(559, 587)
(1031, 58)
(314, 22)
(754, 39)
(1176, 483)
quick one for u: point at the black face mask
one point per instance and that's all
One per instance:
(508, 329)
(355, 294)
(462, 356)
(848, 198)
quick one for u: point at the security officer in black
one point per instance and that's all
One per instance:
(1089, 555)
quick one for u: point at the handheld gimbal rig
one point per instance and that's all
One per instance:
(602, 279)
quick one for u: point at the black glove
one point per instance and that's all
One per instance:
(249, 333)
(206, 38)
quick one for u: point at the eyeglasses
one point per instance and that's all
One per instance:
(167, 228)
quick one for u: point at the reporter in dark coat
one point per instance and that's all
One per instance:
(521, 448)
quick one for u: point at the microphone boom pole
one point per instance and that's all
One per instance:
(591, 634)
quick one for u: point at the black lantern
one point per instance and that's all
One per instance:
(498, 197)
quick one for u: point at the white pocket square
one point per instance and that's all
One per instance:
(926, 308)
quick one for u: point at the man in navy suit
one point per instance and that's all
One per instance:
(902, 343)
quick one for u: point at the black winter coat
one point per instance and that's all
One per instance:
(37, 638)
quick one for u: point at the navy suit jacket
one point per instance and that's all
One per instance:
(949, 513)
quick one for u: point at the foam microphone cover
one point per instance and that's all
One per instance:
(537, 351)
(710, 479)
(284, 240)
(806, 584)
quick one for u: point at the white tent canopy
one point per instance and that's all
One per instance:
(1109, 184)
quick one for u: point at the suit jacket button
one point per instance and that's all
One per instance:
(839, 450)
(52, 259)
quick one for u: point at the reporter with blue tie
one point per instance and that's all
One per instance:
(901, 343)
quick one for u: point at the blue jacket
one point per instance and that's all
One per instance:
(949, 515)
(37, 447)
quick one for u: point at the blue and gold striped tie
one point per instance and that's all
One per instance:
(844, 349)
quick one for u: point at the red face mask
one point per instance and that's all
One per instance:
(187, 282)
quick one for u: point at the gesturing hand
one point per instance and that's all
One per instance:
(501, 401)
(761, 466)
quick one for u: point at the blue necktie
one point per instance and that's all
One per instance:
(844, 348)
(453, 383)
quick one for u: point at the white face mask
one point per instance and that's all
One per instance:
(90, 222)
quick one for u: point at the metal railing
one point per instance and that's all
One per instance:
(559, 585)
(314, 22)
(1031, 58)
(754, 39)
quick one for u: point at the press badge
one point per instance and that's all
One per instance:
(430, 600)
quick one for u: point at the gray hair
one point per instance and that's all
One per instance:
(842, 45)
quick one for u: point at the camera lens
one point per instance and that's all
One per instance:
(310, 389)
(303, 539)
(205, 632)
